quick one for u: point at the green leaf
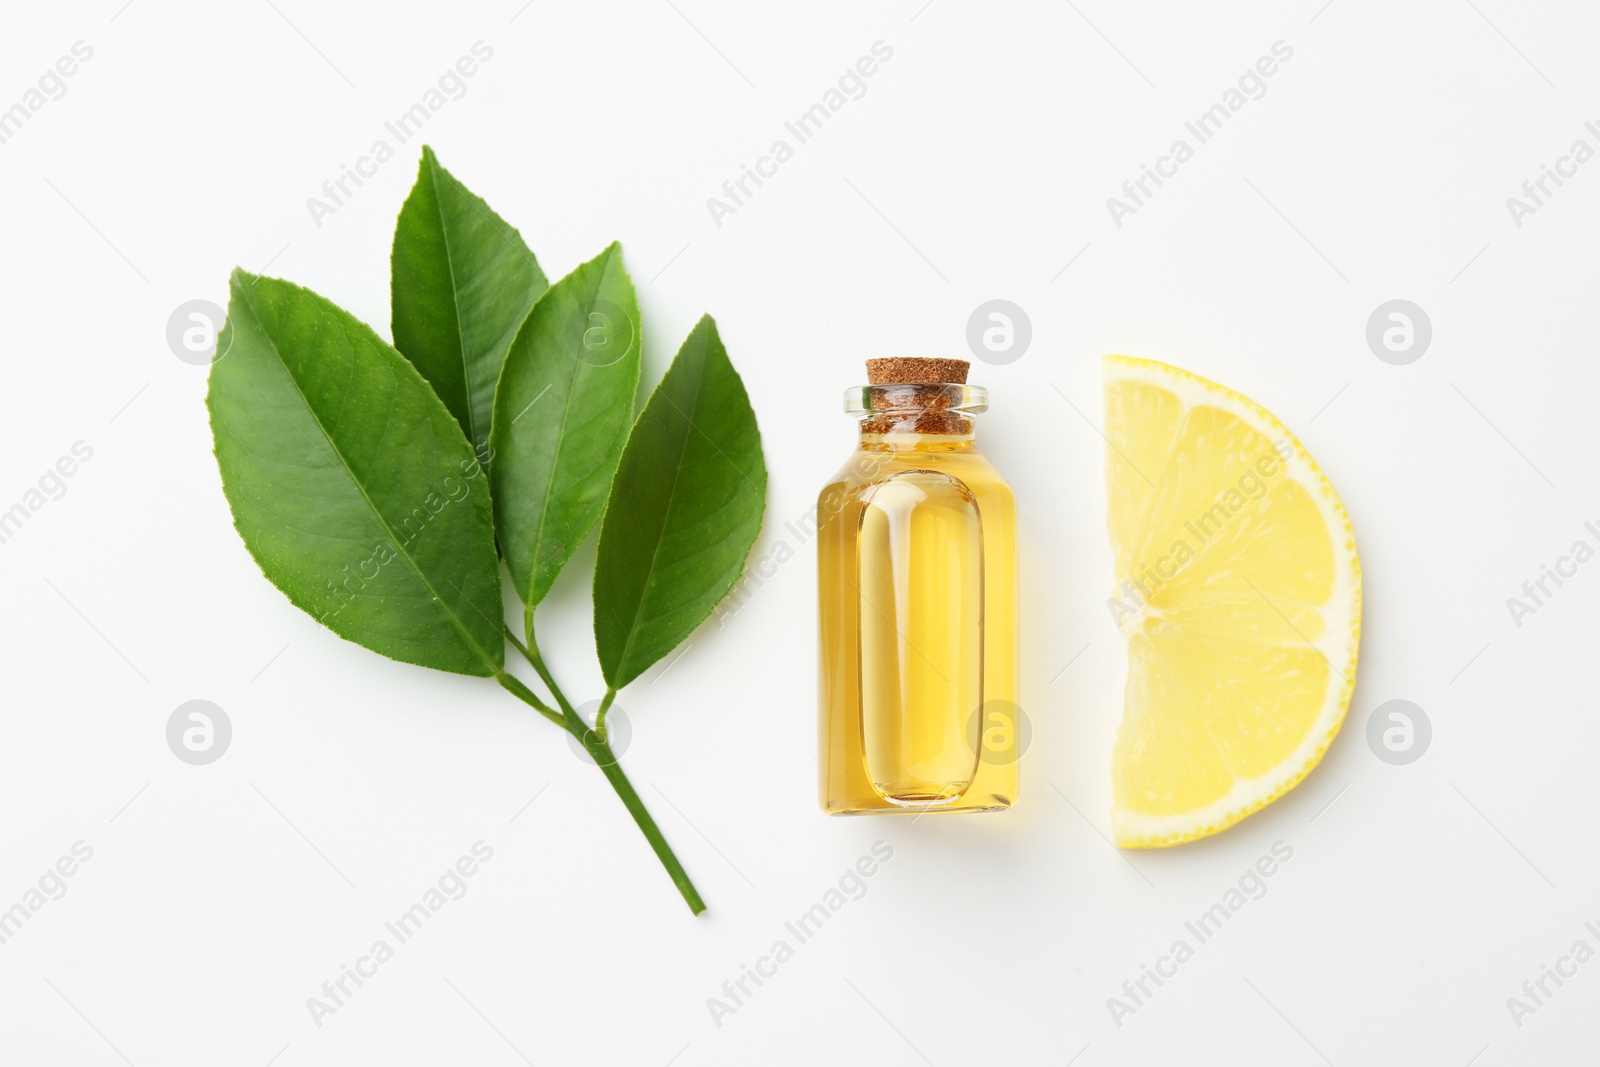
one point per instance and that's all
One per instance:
(350, 483)
(684, 511)
(462, 282)
(561, 417)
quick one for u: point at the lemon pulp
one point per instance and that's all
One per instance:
(1239, 587)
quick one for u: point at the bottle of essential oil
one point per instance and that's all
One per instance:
(917, 584)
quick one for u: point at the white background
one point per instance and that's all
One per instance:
(977, 166)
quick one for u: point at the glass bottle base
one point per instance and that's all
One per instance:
(877, 805)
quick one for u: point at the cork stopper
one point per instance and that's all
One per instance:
(911, 393)
(908, 370)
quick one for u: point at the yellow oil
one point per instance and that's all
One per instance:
(918, 613)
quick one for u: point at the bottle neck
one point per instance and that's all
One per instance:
(931, 431)
(917, 416)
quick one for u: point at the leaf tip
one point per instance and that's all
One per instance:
(240, 278)
(705, 340)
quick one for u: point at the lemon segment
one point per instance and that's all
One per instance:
(1239, 587)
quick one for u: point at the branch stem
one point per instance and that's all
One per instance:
(595, 744)
(597, 747)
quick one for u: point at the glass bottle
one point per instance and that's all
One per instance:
(917, 584)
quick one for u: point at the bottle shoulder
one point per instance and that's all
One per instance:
(866, 467)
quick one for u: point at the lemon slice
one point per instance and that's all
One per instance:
(1239, 589)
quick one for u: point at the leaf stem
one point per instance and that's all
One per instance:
(511, 635)
(513, 685)
(600, 716)
(530, 652)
